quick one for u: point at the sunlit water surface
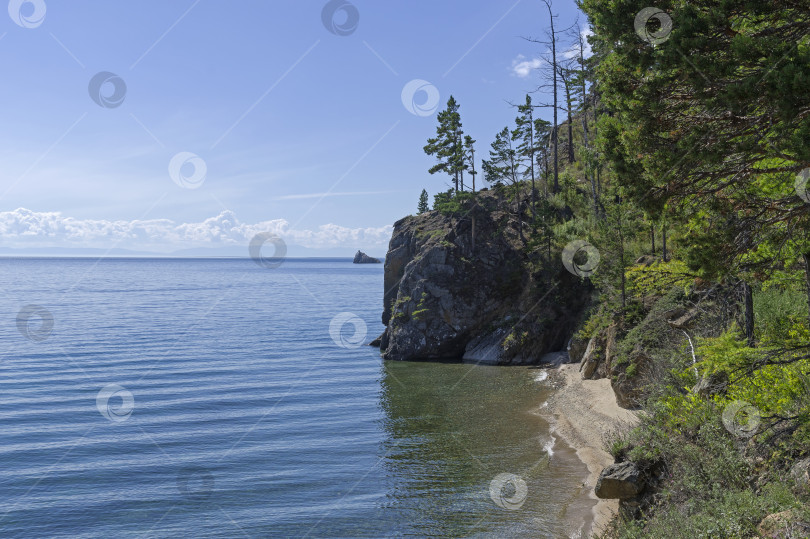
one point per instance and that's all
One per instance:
(230, 410)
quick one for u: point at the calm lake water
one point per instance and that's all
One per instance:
(211, 398)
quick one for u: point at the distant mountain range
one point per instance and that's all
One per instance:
(293, 251)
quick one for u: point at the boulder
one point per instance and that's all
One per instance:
(783, 525)
(622, 480)
(363, 258)
(576, 348)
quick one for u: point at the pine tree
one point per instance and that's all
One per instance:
(469, 158)
(502, 169)
(542, 134)
(524, 135)
(447, 145)
(422, 207)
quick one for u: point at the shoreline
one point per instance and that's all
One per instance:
(581, 412)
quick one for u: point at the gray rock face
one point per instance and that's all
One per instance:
(590, 360)
(460, 286)
(711, 384)
(620, 481)
(363, 258)
(576, 349)
(800, 472)
(486, 349)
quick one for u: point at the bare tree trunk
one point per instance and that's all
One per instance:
(569, 106)
(554, 70)
(664, 254)
(531, 160)
(518, 201)
(621, 267)
(806, 258)
(748, 298)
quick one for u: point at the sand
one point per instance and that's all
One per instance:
(583, 412)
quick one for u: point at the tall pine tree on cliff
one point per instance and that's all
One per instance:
(448, 145)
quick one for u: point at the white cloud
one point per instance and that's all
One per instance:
(573, 51)
(26, 228)
(523, 67)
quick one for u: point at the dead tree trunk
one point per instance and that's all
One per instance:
(748, 300)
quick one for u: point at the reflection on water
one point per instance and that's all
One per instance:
(468, 454)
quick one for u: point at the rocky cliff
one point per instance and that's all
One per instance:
(465, 285)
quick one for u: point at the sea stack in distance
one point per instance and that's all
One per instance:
(363, 258)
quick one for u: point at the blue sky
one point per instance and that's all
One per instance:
(277, 109)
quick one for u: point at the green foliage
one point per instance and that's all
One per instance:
(727, 514)
(450, 203)
(780, 314)
(658, 278)
(422, 207)
(420, 307)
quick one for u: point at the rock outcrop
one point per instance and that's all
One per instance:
(800, 472)
(363, 258)
(463, 286)
(629, 356)
(621, 481)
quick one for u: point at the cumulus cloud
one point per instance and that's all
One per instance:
(523, 67)
(26, 228)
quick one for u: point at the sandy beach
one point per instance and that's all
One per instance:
(582, 413)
